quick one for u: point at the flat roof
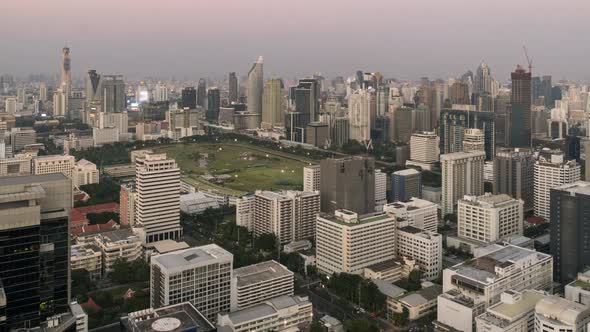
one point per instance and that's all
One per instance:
(409, 171)
(529, 299)
(174, 318)
(365, 219)
(578, 187)
(261, 272)
(422, 296)
(384, 266)
(192, 256)
(388, 288)
(267, 308)
(28, 179)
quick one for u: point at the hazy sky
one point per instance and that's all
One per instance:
(196, 38)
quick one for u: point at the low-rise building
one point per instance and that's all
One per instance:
(17, 166)
(121, 243)
(86, 257)
(419, 213)
(85, 173)
(177, 317)
(554, 313)
(514, 312)
(392, 270)
(196, 203)
(284, 313)
(424, 247)
(419, 303)
(54, 164)
(254, 284)
(579, 289)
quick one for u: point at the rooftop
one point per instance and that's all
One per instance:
(488, 200)
(517, 308)
(267, 308)
(578, 187)
(196, 256)
(261, 272)
(384, 266)
(29, 179)
(422, 296)
(119, 235)
(406, 172)
(366, 219)
(389, 289)
(174, 318)
(559, 309)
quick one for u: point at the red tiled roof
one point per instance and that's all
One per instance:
(78, 215)
(90, 304)
(86, 229)
(535, 220)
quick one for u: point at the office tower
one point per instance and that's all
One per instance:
(514, 175)
(66, 71)
(311, 178)
(257, 283)
(551, 170)
(202, 93)
(283, 313)
(161, 92)
(340, 131)
(424, 247)
(546, 87)
(10, 105)
(347, 242)
(272, 104)
(401, 124)
(462, 174)
(469, 288)
(459, 93)
(93, 88)
(289, 215)
(21, 95)
(406, 184)
(205, 272)
(415, 212)
(424, 150)
(348, 183)
(453, 123)
(255, 87)
(519, 121)
(189, 97)
(21, 137)
(514, 312)
(483, 80)
(43, 92)
(233, 88)
(307, 99)
(587, 160)
(570, 229)
(359, 116)
(380, 190)
(113, 94)
(554, 313)
(420, 119)
(317, 134)
(59, 103)
(142, 94)
(213, 105)
(35, 260)
(157, 207)
(473, 140)
(382, 100)
(54, 164)
(489, 218)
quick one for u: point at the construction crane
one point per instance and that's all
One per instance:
(526, 54)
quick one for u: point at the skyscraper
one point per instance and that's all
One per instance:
(42, 92)
(473, 140)
(189, 97)
(34, 237)
(66, 71)
(255, 87)
(459, 93)
(514, 175)
(93, 87)
(462, 174)
(453, 123)
(406, 184)
(483, 80)
(113, 94)
(519, 119)
(272, 104)
(202, 93)
(348, 183)
(213, 104)
(233, 88)
(359, 116)
(570, 230)
(59, 103)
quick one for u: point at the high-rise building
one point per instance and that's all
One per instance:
(213, 104)
(157, 207)
(199, 275)
(459, 93)
(113, 99)
(401, 124)
(311, 178)
(189, 97)
(514, 175)
(66, 71)
(424, 247)
(380, 190)
(570, 229)
(424, 150)
(546, 87)
(340, 131)
(483, 81)
(519, 119)
(453, 123)
(93, 88)
(10, 105)
(416, 212)
(473, 140)
(307, 99)
(233, 88)
(406, 184)
(489, 218)
(34, 264)
(59, 103)
(127, 197)
(317, 134)
(289, 215)
(348, 183)
(42, 92)
(359, 115)
(462, 174)
(514, 312)
(551, 170)
(202, 93)
(254, 284)
(272, 104)
(161, 92)
(255, 87)
(347, 242)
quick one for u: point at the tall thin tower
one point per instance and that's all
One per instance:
(255, 87)
(66, 71)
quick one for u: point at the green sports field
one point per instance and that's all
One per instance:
(250, 167)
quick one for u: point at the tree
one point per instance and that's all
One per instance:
(415, 276)
(359, 325)
(266, 242)
(316, 326)
(401, 319)
(102, 218)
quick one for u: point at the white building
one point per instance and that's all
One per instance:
(10, 105)
(552, 170)
(473, 140)
(60, 103)
(424, 150)
(284, 313)
(245, 211)
(417, 212)
(290, 215)
(197, 202)
(424, 247)
(117, 244)
(54, 164)
(107, 135)
(348, 243)
(200, 275)
(157, 204)
(489, 218)
(311, 178)
(579, 289)
(515, 312)
(554, 313)
(16, 166)
(359, 115)
(254, 284)
(85, 173)
(462, 174)
(380, 190)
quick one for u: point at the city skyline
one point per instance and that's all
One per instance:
(210, 38)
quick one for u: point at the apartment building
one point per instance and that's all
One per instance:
(86, 257)
(462, 174)
(120, 243)
(418, 213)
(311, 178)
(245, 211)
(424, 150)
(424, 247)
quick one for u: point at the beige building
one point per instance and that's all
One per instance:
(85, 173)
(16, 166)
(86, 257)
(392, 270)
(54, 164)
(473, 140)
(419, 213)
(347, 242)
(514, 313)
(554, 313)
(254, 284)
(273, 109)
(424, 150)
(579, 289)
(424, 247)
(245, 211)
(462, 174)
(121, 243)
(419, 303)
(311, 178)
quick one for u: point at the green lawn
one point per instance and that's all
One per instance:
(251, 167)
